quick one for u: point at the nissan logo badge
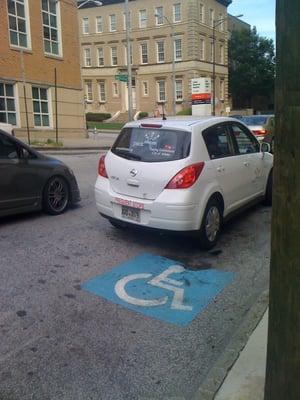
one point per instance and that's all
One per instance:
(133, 172)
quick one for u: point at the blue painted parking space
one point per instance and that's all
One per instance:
(160, 288)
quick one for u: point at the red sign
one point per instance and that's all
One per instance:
(201, 96)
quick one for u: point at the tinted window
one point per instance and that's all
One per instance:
(217, 141)
(152, 145)
(8, 149)
(245, 141)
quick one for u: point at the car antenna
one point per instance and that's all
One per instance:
(163, 112)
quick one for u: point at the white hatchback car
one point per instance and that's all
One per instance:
(183, 174)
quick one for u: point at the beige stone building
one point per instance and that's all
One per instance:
(103, 52)
(37, 38)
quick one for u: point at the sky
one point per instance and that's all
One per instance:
(259, 13)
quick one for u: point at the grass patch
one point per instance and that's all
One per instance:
(105, 125)
(47, 143)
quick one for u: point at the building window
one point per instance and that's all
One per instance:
(85, 26)
(18, 23)
(51, 27)
(221, 20)
(124, 20)
(143, 19)
(112, 23)
(88, 91)
(100, 57)
(177, 12)
(221, 54)
(202, 49)
(115, 89)
(159, 15)
(222, 89)
(211, 53)
(201, 13)
(99, 24)
(102, 92)
(161, 91)
(145, 88)
(144, 53)
(7, 104)
(87, 57)
(131, 60)
(40, 107)
(160, 51)
(178, 49)
(211, 17)
(114, 57)
(179, 90)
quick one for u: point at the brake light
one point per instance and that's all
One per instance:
(101, 167)
(186, 177)
(151, 126)
(260, 132)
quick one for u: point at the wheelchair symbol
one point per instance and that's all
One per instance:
(162, 281)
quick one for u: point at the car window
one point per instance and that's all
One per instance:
(255, 120)
(217, 141)
(152, 145)
(245, 141)
(8, 149)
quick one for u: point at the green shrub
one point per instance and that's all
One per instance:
(97, 117)
(186, 111)
(142, 115)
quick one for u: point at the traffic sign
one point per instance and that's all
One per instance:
(121, 77)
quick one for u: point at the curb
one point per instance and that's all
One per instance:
(219, 371)
(61, 149)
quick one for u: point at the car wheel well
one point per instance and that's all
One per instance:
(217, 196)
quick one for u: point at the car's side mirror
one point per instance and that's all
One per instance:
(265, 147)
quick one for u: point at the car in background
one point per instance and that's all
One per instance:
(183, 174)
(261, 126)
(32, 181)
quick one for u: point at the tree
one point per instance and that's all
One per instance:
(283, 355)
(251, 68)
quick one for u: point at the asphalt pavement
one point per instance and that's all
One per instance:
(61, 342)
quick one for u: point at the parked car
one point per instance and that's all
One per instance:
(261, 125)
(32, 181)
(183, 174)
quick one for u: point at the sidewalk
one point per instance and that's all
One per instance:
(246, 379)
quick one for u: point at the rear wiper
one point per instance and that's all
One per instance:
(127, 154)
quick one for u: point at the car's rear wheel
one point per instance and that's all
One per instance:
(269, 190)
(211, 224)
(56, 196)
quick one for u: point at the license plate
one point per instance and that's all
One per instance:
(131, 213)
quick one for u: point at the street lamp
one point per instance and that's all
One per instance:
(173, 60)
(216, 23)
(129, 69)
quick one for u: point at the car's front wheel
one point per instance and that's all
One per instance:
(211, 224)
(56, 196)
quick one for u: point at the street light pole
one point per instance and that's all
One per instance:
(129, 70)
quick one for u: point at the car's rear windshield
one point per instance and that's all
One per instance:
(256, 120)
(152, 145)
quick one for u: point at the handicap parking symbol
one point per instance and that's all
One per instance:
(160, 288)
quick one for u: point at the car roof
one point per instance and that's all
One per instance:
(180, 122)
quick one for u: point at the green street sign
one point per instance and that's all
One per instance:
(121, 78)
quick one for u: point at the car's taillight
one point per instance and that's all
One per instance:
(260, 132)
(186, 177)
(101, 167)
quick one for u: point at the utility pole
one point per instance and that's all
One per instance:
(129, 70)
(283, 355)
(24, 92)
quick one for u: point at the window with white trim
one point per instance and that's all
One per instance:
(177, 12)
(179, 89)
(211, 53)
(202, 49)
(88, 91)
(201, 13)
(222, 89)
(211, 17)
(112, 23)
(7, 104)
(160, 46)
(222, 54)
(143, 18)
(124, 20)
(87, 57)
(178, 49)
(85, 26)
(161, 94)
(115, 89)
(145, 88)
(125, 54)
(18, 22)
(222, 21)
(102, 91)
(100, 52)
(159, 15)
(41, 114)
(114, 57)
(99, 24)
(51, 27)
(144, 53)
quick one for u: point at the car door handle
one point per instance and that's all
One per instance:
(246, 163)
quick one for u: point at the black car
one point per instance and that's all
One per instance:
(32, 181)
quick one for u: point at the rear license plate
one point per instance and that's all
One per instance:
(131, 213)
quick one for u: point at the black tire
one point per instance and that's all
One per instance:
(56, 196)
(117, 224)
(209, 237)
(269, 190)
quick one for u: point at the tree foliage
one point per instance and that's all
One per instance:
(251, 68)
